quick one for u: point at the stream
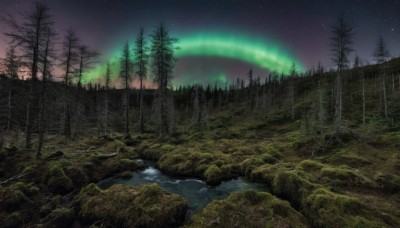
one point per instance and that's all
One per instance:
(195, 191)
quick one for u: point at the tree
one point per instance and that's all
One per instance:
(47, 58)
(292, 73)
(341, 42)
(86, 59)
(381, 54)
(140, 62)
(126, 70)
(107, 85)
(11, 64)
(29, 35)
(69, 60)
(162, 53)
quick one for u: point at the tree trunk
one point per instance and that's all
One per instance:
(338, 104)
(363, 95)
(106, 118)
(384, 97)
(126, 108)
(141, 106)
(10, 104)
(28, 126)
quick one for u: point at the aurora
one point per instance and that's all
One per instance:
(261, 53)
(267, 55)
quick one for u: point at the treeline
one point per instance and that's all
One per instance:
(325, 102)
(33, 48)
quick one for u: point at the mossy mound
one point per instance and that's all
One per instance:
(343, 176)
(248, 209)
(324, 207)
(60, 217)
(328, 209)
(213, 168)
(58, 182)
(123, 206)
(154, 151)
(15, 196)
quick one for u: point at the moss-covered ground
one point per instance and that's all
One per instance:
(353, 182)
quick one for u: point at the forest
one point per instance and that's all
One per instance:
(319, 148)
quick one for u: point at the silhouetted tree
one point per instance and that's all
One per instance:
(47, 57)
(341, 42)
(126, 70)
(11, 64)
(381, 54)
(70, 58)
(140, 61)
(29, 35)
(86, 59)
(162, 53)
(107, 85)
(292, 73)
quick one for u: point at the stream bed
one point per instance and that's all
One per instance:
(195, 191)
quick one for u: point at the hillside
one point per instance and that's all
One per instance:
(316, 178)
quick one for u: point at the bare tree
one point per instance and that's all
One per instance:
(381, 55)
(292, 87)
(47, 58)
(107, 85)
(69, 60)
(126, 70)
(29, 36)
(341, 42)
(11, 64)
(86, 59)
(140, 61)
(162, 53)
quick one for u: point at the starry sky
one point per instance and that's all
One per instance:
(220, 40)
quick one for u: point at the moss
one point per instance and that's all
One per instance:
(310, 165)
(251, 162)
(58, 182)
(213, 175)
(78, 176)
(13, 199)
(126, 175)
(329, 209)
(248, 209)
(267, 158)
(342, 176)
(29, 189)
(123, 206)
(14, 219)
(46, 209)
(60, 217)
(291, 186)
(127, 165)
(348, 159)
(388, 182)
(266, 173)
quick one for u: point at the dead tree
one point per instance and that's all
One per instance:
(381, 54)
(126, 70)
(29, 36)
(341, 41)
(69, 60)
(140, 61)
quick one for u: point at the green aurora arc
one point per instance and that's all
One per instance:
(264, 54)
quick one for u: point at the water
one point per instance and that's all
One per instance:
(196, 192)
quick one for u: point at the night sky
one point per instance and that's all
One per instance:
(220, 40)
